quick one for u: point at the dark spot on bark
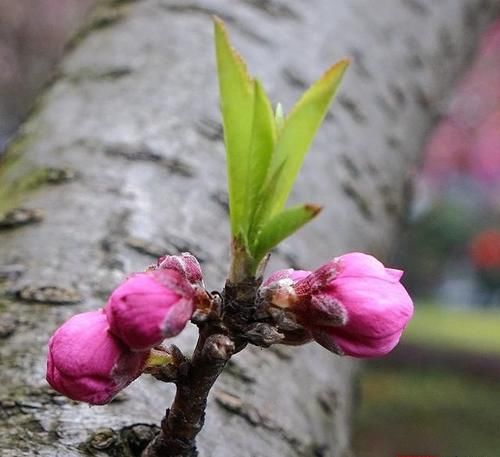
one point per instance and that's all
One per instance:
(352, 108)
(372, 169)
(447, 44)
(104, 17)
(111, 260)
(122, 2)
(170, 245)
(385, 190)
(210, 129)
(190, 8)
(8, 324)
(391, 208)
(6, 407)
(279, 10)
(399, 95)
(93, 74)
(360, 201)
(350, 166)
(146, 246)
(233, 403)
(18, 217)
(106, 20)
(328, 401)
(36, 178)
(293, 78)
(389, 198)
(54, 295)
(180, 244)
(11, 272)
(408, 192)
(470, 16)
(222, 199)
(415, 61)
(319, 450)
(179, 167)
(329, 117)
(417, 7)
(421, 98)
(359, 65)
(237, 371)
(55, 175)
(111, 243)
(290, 258)
(281, 352)
(393, 142)
(143, 153)
(390, 111)
(415, 54)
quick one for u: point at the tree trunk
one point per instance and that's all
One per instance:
(123, 155)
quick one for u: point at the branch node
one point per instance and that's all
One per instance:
(263, 334)
(218, 347)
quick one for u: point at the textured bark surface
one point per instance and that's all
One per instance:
(134, 116)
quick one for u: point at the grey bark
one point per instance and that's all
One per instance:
(134, 115)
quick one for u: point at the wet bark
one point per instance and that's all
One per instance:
(122, 160)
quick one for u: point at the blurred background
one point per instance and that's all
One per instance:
(438, 393)
(32, 39)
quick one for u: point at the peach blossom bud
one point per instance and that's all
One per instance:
(186, 264)
(280, 286)
(87, 363)
(149, 307)
(352, 305)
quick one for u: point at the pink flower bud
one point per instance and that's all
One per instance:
(352, 305)
(87, 363)
(288, 274)
(186, 264)
(279, 287)
(149, 307)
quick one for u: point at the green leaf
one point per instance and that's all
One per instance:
(264, 203)
(282, 226)
(279, 118)
(237, 106)
(299, 130)
(261, 149)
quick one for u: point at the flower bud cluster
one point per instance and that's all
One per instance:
(352, 305)
(96, 354)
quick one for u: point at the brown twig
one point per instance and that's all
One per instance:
(218, 340)
(184, 420)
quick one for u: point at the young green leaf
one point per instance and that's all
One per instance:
(279, 118)
(237, 106)
(261, 148)
(298, 132)
(282, 226)
(263, 204)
